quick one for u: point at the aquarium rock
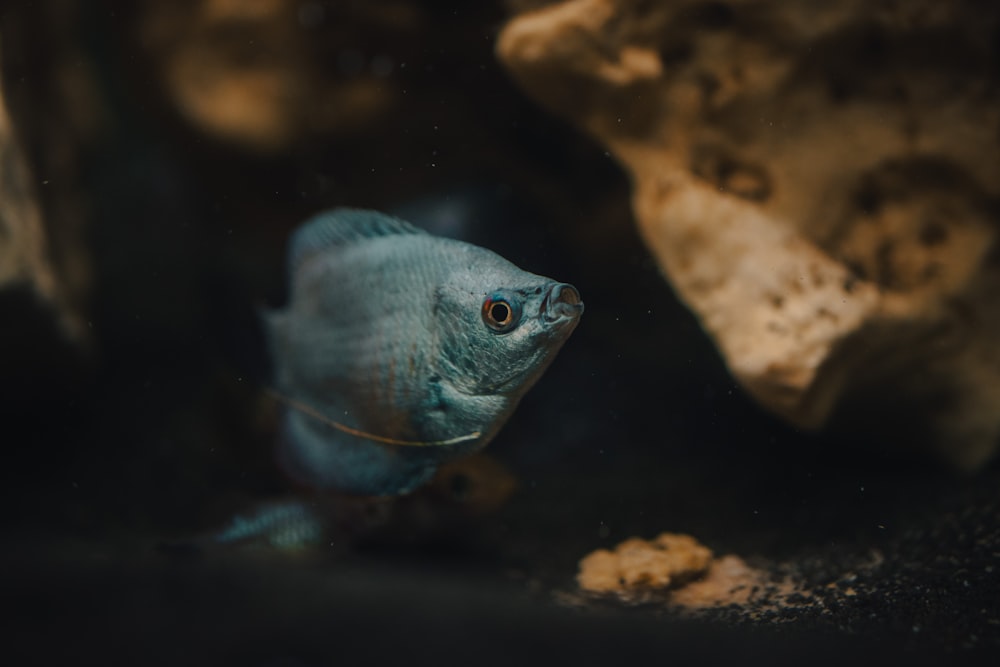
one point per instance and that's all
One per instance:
(819, 185)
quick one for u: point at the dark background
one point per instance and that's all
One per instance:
(148, 426)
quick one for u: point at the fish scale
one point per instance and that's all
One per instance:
(388, 358)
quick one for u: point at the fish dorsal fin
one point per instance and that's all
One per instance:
(342, 227)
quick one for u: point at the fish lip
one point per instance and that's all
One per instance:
(561, 302)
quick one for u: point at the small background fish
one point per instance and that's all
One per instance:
(400, 350)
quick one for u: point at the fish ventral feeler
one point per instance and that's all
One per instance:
(399, 350)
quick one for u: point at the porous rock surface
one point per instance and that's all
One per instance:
(819, 183)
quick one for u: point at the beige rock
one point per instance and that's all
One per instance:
(818, 182)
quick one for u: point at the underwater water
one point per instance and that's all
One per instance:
(173, 148)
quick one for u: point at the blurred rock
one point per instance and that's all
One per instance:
(52, 114)
(267, 73)
(46, 346)
(818, 182)
(23, 256)
(39, 328)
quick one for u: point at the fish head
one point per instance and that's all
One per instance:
(498, 327)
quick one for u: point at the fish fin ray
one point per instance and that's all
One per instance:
(342, 227)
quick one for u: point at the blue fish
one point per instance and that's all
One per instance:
(399, 351)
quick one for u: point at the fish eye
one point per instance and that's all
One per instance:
(501, 314)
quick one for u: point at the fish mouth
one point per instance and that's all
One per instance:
(562, 302)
